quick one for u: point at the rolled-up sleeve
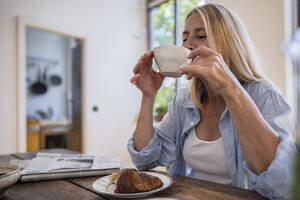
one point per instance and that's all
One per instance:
(276, 182)
(161, 149)
(148, 156)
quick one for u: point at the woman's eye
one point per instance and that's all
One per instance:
(201, 37)
(184, 40)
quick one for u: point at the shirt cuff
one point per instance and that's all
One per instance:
(277, 180)
(148, 156)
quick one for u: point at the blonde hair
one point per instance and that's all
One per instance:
(226, 35)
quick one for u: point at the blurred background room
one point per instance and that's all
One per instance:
(65, 66)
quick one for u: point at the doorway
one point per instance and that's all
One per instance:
(50, 110)
(53, 90)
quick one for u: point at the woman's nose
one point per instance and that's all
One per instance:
(189, 45)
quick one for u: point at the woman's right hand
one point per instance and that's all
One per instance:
(145, 78)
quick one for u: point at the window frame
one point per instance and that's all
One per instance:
(151, 4)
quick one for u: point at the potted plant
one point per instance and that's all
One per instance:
(160, 112)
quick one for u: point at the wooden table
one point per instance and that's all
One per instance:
(81, 188)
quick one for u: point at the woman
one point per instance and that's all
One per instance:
(226, 128)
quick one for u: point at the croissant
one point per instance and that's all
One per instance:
(113, 177)
(132, 181)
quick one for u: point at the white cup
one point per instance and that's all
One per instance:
(169, 58)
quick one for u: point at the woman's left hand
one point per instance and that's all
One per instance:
(210, 67)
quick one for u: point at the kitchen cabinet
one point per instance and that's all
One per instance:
(33, 135)
(44, 134)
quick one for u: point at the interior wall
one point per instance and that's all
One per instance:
(115, 39)
(265, 23)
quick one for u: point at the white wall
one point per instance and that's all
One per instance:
(50, 46)
(265, 23)
(114, 41)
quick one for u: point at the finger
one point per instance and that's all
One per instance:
(137, 66)
(151, 53)
(150, 57)
(203, 52)
(134, 78)
(146, 57)
(206, 61)
(195, 69)
(189, 76)
(146, 60)
(134, 83)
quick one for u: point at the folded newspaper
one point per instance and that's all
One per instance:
(51, 166)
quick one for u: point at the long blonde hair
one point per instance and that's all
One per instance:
(226, 35)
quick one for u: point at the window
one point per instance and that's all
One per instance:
(165, 25)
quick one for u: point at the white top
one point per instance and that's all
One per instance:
(207, 159)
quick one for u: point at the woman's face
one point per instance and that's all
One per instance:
(194, 34)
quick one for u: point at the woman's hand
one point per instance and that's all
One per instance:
(145, 78)
(210, 67)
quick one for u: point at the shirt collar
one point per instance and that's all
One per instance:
(190, 104)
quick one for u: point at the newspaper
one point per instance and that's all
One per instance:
(50, 166)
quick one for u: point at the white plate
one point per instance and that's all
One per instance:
(103, 186)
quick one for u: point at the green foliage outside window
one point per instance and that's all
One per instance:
(163, 19)
(163, 24)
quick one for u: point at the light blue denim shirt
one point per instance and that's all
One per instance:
(166, 146)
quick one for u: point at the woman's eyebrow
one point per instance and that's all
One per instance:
(200, 29)
(196, 30)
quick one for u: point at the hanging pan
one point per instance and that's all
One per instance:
(55, 80)
(39, 87)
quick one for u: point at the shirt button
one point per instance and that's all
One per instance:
(192, 123)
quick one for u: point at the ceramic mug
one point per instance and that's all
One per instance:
(169, 58)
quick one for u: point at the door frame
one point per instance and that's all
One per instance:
(22, 23)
